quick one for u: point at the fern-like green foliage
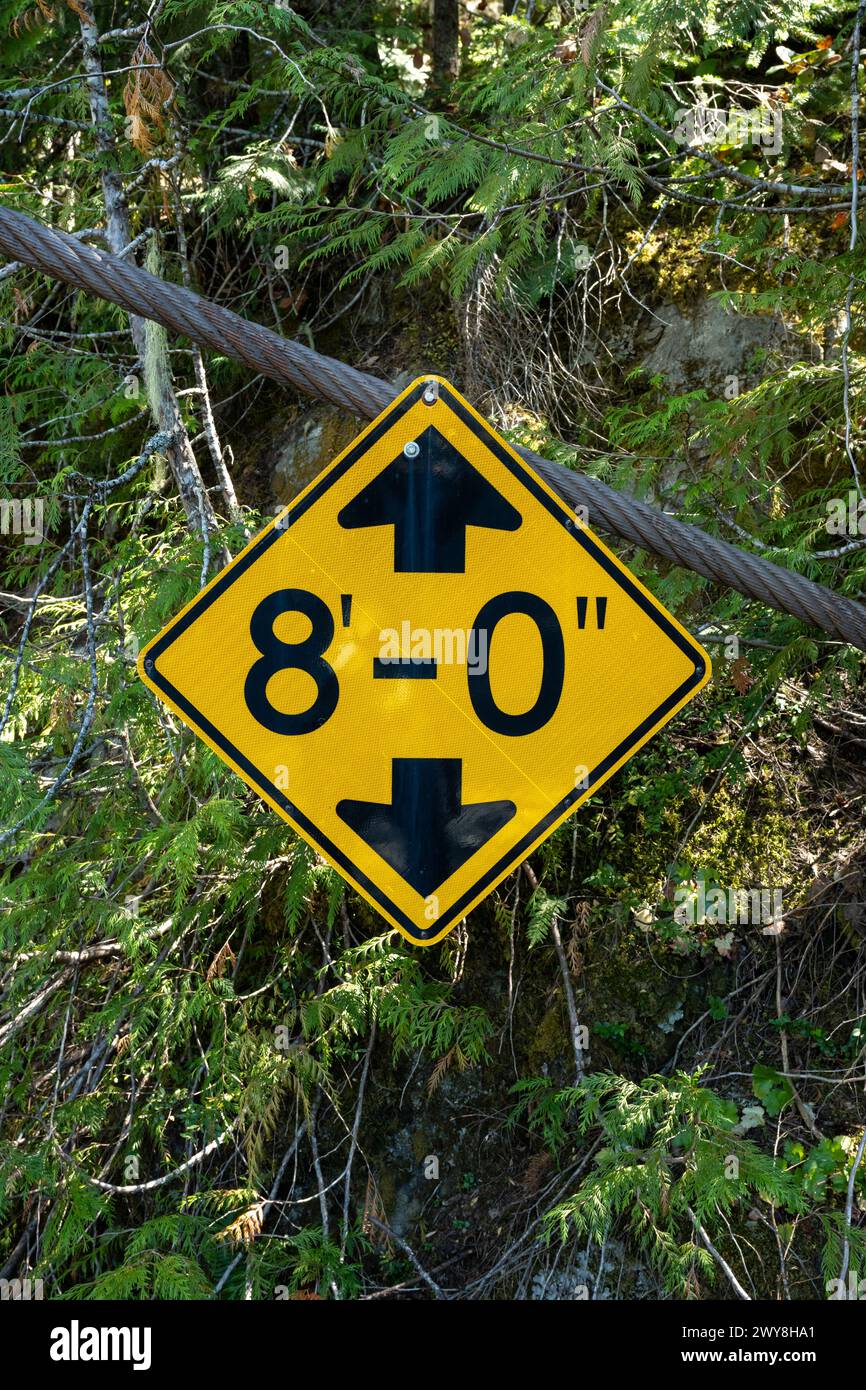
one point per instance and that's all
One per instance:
(238, 992)
(669, 1161)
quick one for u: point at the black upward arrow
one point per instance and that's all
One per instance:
(426, 833)
(430, 500)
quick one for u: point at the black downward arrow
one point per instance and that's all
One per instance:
(426, 833)
(430, 499)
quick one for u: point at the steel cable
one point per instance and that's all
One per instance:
(65, 258)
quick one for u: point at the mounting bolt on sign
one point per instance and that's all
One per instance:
(426, 662)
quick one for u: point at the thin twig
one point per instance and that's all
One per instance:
(719, 1259)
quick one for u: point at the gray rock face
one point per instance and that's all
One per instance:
(298, 452)
(708, 345)
(307, 446)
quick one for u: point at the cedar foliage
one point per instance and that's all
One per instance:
(176, 967)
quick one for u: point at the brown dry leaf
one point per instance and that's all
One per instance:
(566, 51)
(741, 676)
(590, 32)
(139, 134)
(294, 300)
(224, 957)
(80, 11)
(573, 953)
(373, 1208)
(244, 1229)
(22, 305)
(838, 221)
(42, 13)
(439, 1070)
(536, 1170)
(148, 97)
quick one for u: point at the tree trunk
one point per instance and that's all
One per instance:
(445, 43)
(166, 411)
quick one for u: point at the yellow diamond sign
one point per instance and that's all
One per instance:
(426, 662)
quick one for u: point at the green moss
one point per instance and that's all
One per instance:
(672, 266)
(744, 843)
(550, 1040)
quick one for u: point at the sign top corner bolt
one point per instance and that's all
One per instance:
(431, 392)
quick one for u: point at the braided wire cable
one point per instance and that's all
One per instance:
(65, 258)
